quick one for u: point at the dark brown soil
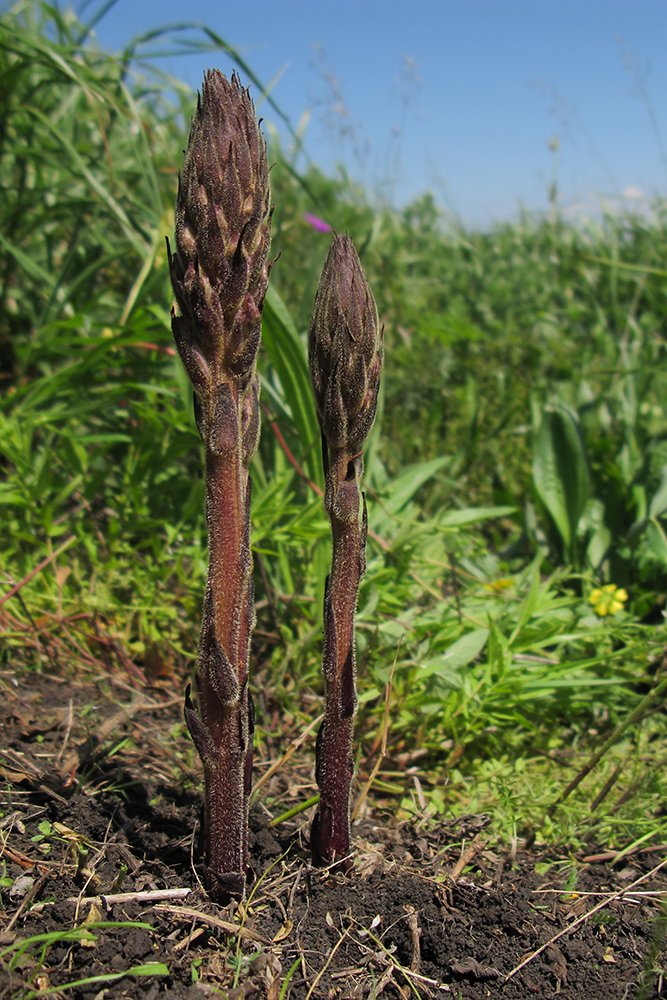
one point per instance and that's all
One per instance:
(87, 816)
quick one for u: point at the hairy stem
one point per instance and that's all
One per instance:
(227, 782)
(220, 273)
(344, 502)
(223, 729)
(345, 360)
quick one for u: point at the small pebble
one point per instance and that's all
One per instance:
(21, 887)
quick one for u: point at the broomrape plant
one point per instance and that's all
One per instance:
(345, 358)
(220, 273)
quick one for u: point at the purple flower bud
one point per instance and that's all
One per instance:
(316, 223)
(345, 349)
(220, 270)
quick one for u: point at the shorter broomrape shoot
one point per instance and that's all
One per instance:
(345, 352)
(220, 274)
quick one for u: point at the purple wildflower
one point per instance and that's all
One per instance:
(316, 223)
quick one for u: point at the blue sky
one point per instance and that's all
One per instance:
(460, 97)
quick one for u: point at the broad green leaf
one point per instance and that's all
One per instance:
(532, 600)
(402, 490)
(459, 654)
(599, 546)
(657, 540)
(560, 470)
(470, 515)
(498, 655)
(658, 503)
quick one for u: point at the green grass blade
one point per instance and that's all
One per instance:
(287, 354)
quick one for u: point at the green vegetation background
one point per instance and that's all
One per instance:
(518, 465)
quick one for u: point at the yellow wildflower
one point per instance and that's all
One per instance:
(608, 600)
(499, 585)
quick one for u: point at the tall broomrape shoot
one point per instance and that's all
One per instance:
(220, 274)
(345, 358)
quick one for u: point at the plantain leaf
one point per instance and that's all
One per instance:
(657, 540)
(560, 470)
(658, 504)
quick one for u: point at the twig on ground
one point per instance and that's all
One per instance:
(192, 858)
(591, 859)
(145, 896)
(476, 845)
(193, 934)
(292, 894)
(216, 922)
(89, 869)
(415, 934)
(582, 919)
(635, 897)
(383, 982)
